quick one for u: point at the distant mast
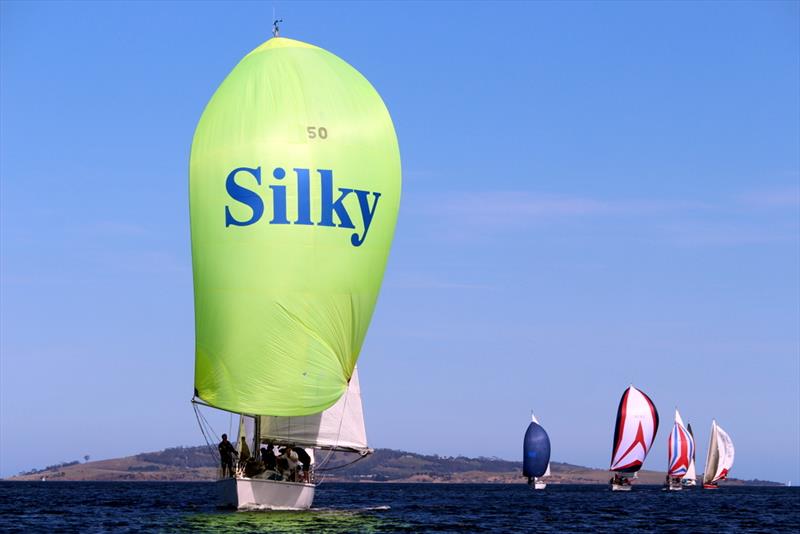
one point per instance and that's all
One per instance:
(634, 432)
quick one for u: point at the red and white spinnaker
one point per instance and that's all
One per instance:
(637, 424)
(680, 447)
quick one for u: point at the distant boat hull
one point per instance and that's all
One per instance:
(674, 485)
(539, 485)
(267, 494)
(710, 486)
(621, 487)
(689, 482)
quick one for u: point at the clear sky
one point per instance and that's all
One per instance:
(594, 194)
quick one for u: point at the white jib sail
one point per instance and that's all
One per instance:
(726, 454)
(546, 471)
(712, 458)
(340, 427)
(691, 473)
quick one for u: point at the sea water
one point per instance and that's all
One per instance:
(383, 507)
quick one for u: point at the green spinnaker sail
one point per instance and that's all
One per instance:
(294, 188)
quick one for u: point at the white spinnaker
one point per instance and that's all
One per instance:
(638, 422)
(726, 453)
(340, 427)
(547, 471)
(712, 459)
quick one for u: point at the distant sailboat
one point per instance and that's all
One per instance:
(690, 478)
(680, 451)
(536, 455)
(720, 457)
(635, 430)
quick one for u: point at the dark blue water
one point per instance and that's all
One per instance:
(189, 507)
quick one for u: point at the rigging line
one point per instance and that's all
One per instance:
(335, 467)
(338, 437)
(210, 428)
(338, 432)
(205, 436)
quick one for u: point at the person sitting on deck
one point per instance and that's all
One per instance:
(226, 454)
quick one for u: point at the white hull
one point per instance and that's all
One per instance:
(689, 483)
(266, 494)
(539, 485)
(621, 487)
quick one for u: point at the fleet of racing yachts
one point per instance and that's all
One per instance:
(634, 434)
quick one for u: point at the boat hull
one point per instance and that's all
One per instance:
(266, 494)
(710, 486)
(621, 487)
(688, 483)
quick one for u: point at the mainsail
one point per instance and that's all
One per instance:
(340, 427)
(536, 451)
(691, 473)
(634, 432)
(680, 447)
(720, 455)
(294, 190)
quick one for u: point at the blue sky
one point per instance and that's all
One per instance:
(594, 194)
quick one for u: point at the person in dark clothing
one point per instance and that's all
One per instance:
(268, 457)
(226, 455)
(305, 462)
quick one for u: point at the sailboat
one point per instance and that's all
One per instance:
(719, 460)
(536, 454)
(689, 480)
(680, 449)
(294, 190)
(634, 432)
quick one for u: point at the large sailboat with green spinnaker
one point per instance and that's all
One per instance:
(294, 190)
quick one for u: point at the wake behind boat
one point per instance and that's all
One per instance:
(634, 432)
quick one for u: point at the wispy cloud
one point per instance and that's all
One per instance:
(772, 198)
(501, 206)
